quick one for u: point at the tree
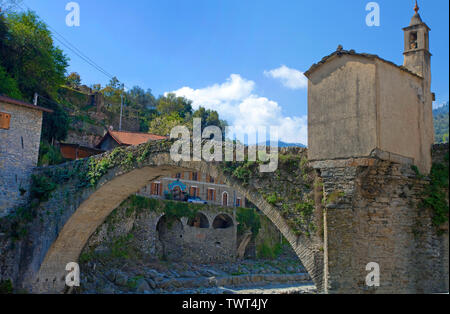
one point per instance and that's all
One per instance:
(441, 123)
(209, 118)
(96, 87)
(73, 80)
(163, 125)
(8, 86)
(141, 99)
(171, 103)
(7, 6)
(30, 57)
(31, 63)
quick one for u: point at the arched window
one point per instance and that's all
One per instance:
(222, 221)
(200, 221)
(413, 40)
(225, 199)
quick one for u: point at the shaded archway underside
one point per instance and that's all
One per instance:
(103, 182)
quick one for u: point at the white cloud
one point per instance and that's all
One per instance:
(290, 78)
(236, 102)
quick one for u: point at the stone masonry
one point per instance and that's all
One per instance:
(373, 215)
(177, 240)
(19, 151)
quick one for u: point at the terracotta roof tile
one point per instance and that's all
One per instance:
(132, 138)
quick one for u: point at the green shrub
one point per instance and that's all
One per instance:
(435, 196)
(6, 287)
(266, 251)
(248, 219)
(49, 155)
(41, 187)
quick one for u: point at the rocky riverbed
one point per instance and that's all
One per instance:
(284, 274)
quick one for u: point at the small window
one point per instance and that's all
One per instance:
(211, 195)
(178, 176)
(5, 120)
(194, 191)
(413, 40)
(156, 189)
(195, 176)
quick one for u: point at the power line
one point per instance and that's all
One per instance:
(66, 43)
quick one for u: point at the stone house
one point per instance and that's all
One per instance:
(20, 136)
(373, 107)
(195, 184)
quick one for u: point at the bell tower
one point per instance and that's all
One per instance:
(417, 56)
(417, 59)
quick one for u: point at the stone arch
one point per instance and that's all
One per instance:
(115, 186)
(170, 236)
(199, 221)
(223, 221)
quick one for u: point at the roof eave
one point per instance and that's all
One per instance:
(336, 54)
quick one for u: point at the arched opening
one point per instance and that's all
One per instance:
(170, 235)
(199, 221)
(225, 199)
(223, 221)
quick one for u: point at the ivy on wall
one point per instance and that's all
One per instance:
(436, 193)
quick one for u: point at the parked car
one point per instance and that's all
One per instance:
(196, 200)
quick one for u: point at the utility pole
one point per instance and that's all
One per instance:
(121, 112)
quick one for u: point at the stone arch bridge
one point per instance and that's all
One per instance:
(337, 215)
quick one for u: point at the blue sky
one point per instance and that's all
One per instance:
(195, 46)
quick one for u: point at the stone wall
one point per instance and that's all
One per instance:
(373, 214)
(19, 151)
(151, 233)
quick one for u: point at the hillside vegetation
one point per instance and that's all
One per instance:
(441, 123)
(30, 63)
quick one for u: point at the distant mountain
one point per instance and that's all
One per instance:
(441, 110)
(441, 123)
(282, 144)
